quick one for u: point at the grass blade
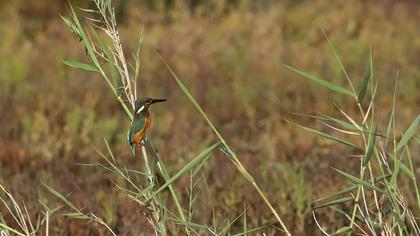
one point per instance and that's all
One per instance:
(249, 231)
(357, 217)
(343, 230)
(409, 133)
(341, 64)
(334, 202)
(359, 181)
(62, 198)
(343, 191)
(245, 230)
(365, 81)
(319, 133)
(197, 160)
(80, 65)
(371, 146)
(321, 82)
(4, 226)
(349, 189)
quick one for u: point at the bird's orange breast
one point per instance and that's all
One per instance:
(140, 135)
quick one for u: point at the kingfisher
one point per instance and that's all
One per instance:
(141, 121)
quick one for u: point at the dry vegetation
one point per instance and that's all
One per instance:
(230, 54)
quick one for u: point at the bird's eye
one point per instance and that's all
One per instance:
(150, 101)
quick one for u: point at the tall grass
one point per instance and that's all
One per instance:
(22, 223)
(378, 204)
(104, 49)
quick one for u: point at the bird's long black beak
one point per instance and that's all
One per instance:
(158, 100)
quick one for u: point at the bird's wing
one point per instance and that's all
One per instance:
(132, 148)
(136, 125)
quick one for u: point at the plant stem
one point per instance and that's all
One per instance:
(166, 176)
(146, 163)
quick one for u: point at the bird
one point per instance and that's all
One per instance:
(141, 121)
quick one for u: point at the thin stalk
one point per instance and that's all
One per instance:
(389, 189)
(146, 163)
(341, 64)
(375, 196)
(166, 176)
(156, 210)
(356, 199)
(363, 168)
(271, 207)
(126, 109)
(47, 223)
(414, 177)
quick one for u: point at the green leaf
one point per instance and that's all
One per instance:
(202, 156)
(334, 202)
(77, 215)
(365, 81)
(357, 217)
(371, 146)
(409, 133)
(343, 191)
(391, 122)
(399, 165)
(80, 65)
(344, 124)
(62, 198)
(360, 181)
(166, 176)
(406, 170)
(249, 231)
(343, 230)
(325, 135)
(349, 189)
(111, 62)
(84, 38)
(329, 119)
(353, 94)
(4, 226)
(322, 82)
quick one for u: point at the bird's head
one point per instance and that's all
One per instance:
(143, 104)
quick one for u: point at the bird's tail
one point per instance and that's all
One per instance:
(133, 149)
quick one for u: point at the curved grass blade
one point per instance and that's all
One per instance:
(324, 135)
(371, 146)
(80, 65)
(406, 170)
(366, 78)
(329, 119)
(245, 223)
(62, 198)
(343, 191)
(343, 230)
(349, 189)
(321, 82)
(4, 226)
(197, 160)
(359, 181)
(344, 124)
(249, 231)
(334, 202)
(409, 133)
(359, 218)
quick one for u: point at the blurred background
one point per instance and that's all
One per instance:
(230, 53)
